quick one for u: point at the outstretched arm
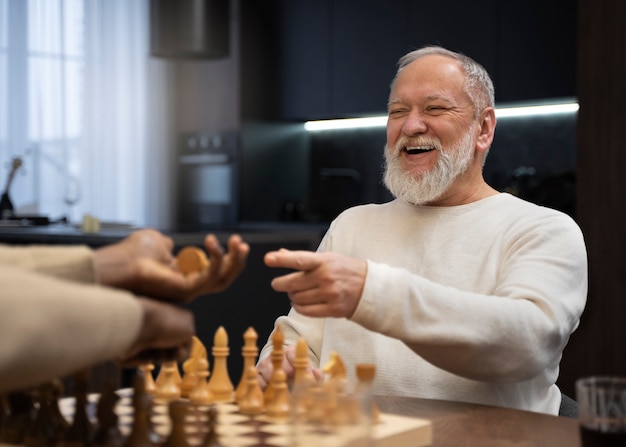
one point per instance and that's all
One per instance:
(144, 263)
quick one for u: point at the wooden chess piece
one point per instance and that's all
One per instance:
(365, 373)
(211, 439)
(335, 384)
(142, 433)
(49, 425)
(169, 388)
(303, 381)
(279, 407)
(80, 433)
(108, 433)
(191, 260)
(249, 352)
(278, 341)
(146, 370)
(220, 384)
(252, 401)
(55, 391)
(202, 395)
(303, 377)
(19, 411)
(170, 367)
(190, 367)
(319, 404)
(336, 370)
(178, 435)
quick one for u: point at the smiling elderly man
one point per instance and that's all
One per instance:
(454, 290)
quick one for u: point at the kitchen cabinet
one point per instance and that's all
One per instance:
(367, 39)
(336, 58)
(536, 50)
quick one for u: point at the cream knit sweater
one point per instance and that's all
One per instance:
(469, 303)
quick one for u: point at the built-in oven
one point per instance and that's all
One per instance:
(208, 180)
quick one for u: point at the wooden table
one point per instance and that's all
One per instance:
(458, 424)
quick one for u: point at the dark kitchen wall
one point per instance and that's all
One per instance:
(531, 157)
(274, 171)
(597, 347)
(305, 59)
(298, 176)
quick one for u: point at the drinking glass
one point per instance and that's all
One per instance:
(602, 411)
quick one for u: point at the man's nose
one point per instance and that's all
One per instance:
(414, 124)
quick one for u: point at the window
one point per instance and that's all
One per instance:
(74, 104)
(41, 84)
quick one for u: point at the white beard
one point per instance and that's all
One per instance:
(431, 185)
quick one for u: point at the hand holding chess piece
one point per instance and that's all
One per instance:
(165, 335)
(291, 364)
(144, 263)
(151, 268)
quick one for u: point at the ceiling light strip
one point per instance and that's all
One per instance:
(381, 121)
(548, 109)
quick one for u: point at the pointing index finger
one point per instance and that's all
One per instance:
(298, 260)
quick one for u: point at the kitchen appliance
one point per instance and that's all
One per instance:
(189, 28)
(208, 180)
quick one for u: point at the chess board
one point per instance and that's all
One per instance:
(237, 430)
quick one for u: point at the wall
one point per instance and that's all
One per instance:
(334, 58)
(597, 348)
(274, 171)
(532, 157)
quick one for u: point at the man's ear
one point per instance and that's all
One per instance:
(487, 122)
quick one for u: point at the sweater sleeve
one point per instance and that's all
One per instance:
(71, 262)
(51, 327)
(509, 334)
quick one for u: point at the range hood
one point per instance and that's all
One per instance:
(189, 28)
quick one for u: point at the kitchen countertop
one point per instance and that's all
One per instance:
(254, 232)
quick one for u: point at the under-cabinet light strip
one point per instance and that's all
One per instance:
(381, 121)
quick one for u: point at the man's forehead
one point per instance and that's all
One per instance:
(429, 79)
(429, 97)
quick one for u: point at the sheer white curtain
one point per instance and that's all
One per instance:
(126, 135)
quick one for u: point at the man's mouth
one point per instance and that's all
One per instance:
(418, 149)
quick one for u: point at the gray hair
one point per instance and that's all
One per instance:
(478, 83)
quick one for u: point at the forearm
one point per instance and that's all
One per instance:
(49, 327)
(498, 337)
(73, 263)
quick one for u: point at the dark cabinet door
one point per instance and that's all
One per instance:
(368, 37)
(537, 50)
(304, 54)
(336, 58)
